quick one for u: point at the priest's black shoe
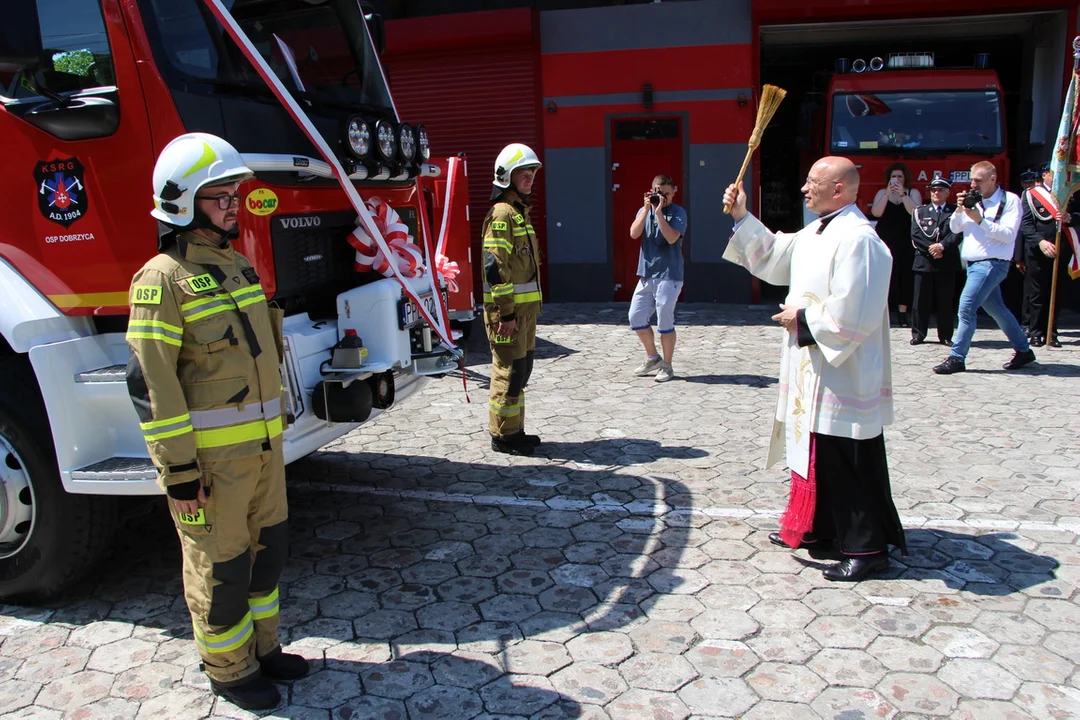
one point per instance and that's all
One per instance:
(1054, 342)
(821, 550)
(1037, 341)
(916, 341)
(857, 567)
(280, 665)
(947, 343)
(511, 445)
(255, 694)
(1019, 360)
(951, 365)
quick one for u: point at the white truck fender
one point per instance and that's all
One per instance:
(27, 318)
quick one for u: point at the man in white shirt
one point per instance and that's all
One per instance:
(989, 227)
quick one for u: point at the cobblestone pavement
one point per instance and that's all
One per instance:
(626, 573)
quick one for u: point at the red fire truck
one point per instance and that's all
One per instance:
(90, 92)
(899, 109)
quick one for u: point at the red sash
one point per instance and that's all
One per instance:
(1049, 202)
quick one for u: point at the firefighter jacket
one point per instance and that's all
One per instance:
(511, 261)
(204, 363)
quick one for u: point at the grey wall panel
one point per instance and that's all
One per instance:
(576, 193)
(717, 282)
(655, 25)
(579, 282)
(712, 169)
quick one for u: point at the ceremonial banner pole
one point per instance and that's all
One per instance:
(363, 214)
(1063, 152)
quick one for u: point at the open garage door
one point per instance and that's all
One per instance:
(1028, 52)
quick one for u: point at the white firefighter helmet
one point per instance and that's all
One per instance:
(188, 163)
(513, 156)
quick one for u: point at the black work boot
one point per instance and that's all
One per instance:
(523, 437)
(278, 665)
(256, 693)
(511, 444)
(1019, 359)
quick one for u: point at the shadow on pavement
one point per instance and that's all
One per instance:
(758, 381)
(421, 587)
(980, 564)
(616, 451)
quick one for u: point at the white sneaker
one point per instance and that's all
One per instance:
(648, 367)
(665, 373)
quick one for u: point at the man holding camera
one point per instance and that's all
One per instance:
(989, 220)
(660, 225)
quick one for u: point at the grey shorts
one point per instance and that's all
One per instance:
(654, 295)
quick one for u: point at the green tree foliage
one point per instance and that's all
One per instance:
(74, 62)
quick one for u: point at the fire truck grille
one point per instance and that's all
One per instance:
(312, 257)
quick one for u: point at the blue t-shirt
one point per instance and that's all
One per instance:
(659, 258)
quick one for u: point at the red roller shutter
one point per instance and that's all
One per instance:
(475, 92)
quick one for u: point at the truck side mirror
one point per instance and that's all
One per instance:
(377, 29)
(20, 37)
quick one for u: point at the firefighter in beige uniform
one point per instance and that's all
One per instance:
(511, 297)
(204, 377)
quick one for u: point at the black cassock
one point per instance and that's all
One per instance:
(1038, 223)
(853, 503)
(935, 278)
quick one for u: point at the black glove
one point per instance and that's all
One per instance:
(185, 491)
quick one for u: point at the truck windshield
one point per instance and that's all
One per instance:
(318, 47)
(952, 121)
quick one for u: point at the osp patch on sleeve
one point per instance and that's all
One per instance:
(498, 225)
(146, 295)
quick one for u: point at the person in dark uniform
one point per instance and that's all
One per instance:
(1038, 232)
(892, 207)
(937, 260)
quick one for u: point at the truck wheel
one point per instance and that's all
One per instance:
(49, 539)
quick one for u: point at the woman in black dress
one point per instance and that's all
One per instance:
(893, 206)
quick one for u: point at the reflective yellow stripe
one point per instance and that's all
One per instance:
(255, 291)
(166, 421)
(159, 324)
(250, 301)
(530, 229)
(249, 290)
(225, 307)
(499, 290)
(507, 410)
(273, 426)
(220, 437)
(520, 232)
(167, 433)
(228, 640)
(498, 244)
(527, 297)
(264, 606)
(203, 301)
(154, 336)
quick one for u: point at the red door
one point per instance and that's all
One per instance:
(641, 149)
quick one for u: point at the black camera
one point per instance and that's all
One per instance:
(973, 198)
(654, 199)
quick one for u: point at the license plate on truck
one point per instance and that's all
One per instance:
(410, 315)
(961, 176)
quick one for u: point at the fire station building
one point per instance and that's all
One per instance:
(612, 93)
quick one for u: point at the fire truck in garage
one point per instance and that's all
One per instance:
(90, 92)
(934, 121)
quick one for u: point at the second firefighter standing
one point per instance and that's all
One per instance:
(512, 297)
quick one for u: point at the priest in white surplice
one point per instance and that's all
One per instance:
(835, 371)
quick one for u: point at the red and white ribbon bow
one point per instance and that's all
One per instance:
(447, 270)
(407, 255)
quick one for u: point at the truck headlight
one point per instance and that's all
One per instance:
(407, 142)
(384, 134)
(358, 137)
(423, 143)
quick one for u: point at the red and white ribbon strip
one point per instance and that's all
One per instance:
(440, 324)
(448, 270)
(440, 246)
(406, 255)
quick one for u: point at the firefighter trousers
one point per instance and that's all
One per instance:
(233, 554)
(511, 366)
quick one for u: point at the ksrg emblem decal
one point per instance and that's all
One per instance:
(62, 196)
